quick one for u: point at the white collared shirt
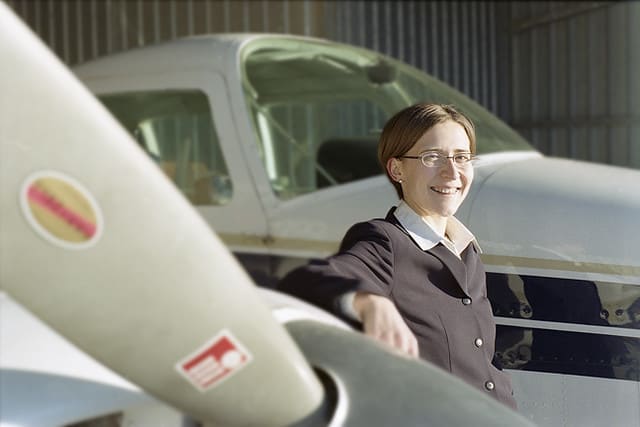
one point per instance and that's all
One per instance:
(459, 236)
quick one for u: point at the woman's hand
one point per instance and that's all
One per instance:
(382, 321)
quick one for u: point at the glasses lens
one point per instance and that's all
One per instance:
(462, 158)
(432, 159)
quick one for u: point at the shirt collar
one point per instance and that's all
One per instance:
(426, 237)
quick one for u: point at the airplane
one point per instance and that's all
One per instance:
(108, 317)
(272, 138)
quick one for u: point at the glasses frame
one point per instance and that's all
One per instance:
(442, 159)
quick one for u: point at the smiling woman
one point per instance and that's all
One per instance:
(414, 280)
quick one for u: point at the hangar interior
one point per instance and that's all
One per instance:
(560, 73)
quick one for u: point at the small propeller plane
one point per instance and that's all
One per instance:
(128, 304)
(121, 306)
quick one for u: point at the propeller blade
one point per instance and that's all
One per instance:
(101, 246)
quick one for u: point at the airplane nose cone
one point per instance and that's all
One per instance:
(560, 209)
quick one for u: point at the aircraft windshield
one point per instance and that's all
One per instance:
(318, 110)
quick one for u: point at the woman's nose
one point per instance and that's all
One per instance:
(449, 169)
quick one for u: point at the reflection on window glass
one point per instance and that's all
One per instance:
(568, 353)
(318, 110)
(554, 299)
(176, 129)
(311, 145)
(565, 301)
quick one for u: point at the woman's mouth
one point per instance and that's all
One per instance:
(446, 190)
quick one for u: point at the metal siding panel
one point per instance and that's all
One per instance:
(131, 23)
(465, 48)
(595, 65)
(583, 76)
(559, 141)
(401, 28)
(445, 47)
(483, 57)
(475, 43)
(78, 32)
(454, 51)
(596, 87)
(422, 24)
(413, 44)
(619, 84)
(492, 100)
(308, 28)
(598, 137)
(539, 102)
(434, 36)
(375, 27)
(579, 141)
(633, 53)
(66, 47)
(633, 30)
(521, 77)
(592, 91)
(386, 29)
(616, 40)
(156, 21)
(246, 16)
(352, 21)
(572, 66)
(296, 9)
(367, 32)
(140, 34)
(634, 146)
(502, 79)
(617, 144)
(559, 88)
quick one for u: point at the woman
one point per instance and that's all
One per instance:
(414, 279)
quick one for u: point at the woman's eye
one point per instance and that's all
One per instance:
(431, 157)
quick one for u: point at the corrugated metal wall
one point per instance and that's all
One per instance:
(575, 79)
(562, 73)
(80, 30)
(462, 43)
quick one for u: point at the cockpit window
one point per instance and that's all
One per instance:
(176, 130)
(318, 110)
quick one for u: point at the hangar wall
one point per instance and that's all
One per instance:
(561, 73)
(575, 86)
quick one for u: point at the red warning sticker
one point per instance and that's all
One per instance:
(218, 359)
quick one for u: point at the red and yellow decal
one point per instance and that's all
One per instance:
(61, 210)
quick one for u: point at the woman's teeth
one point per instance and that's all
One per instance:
(445, 190)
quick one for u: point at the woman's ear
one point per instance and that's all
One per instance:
(394, 169)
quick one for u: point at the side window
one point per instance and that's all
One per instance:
(176, 129)
(311, 145)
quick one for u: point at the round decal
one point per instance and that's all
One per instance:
(61, 210)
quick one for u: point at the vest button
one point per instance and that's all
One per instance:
(466, 301)
(478, 342)
(489, 385)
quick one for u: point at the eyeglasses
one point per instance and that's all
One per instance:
(435, 158)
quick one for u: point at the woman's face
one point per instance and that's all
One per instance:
(436, 191)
